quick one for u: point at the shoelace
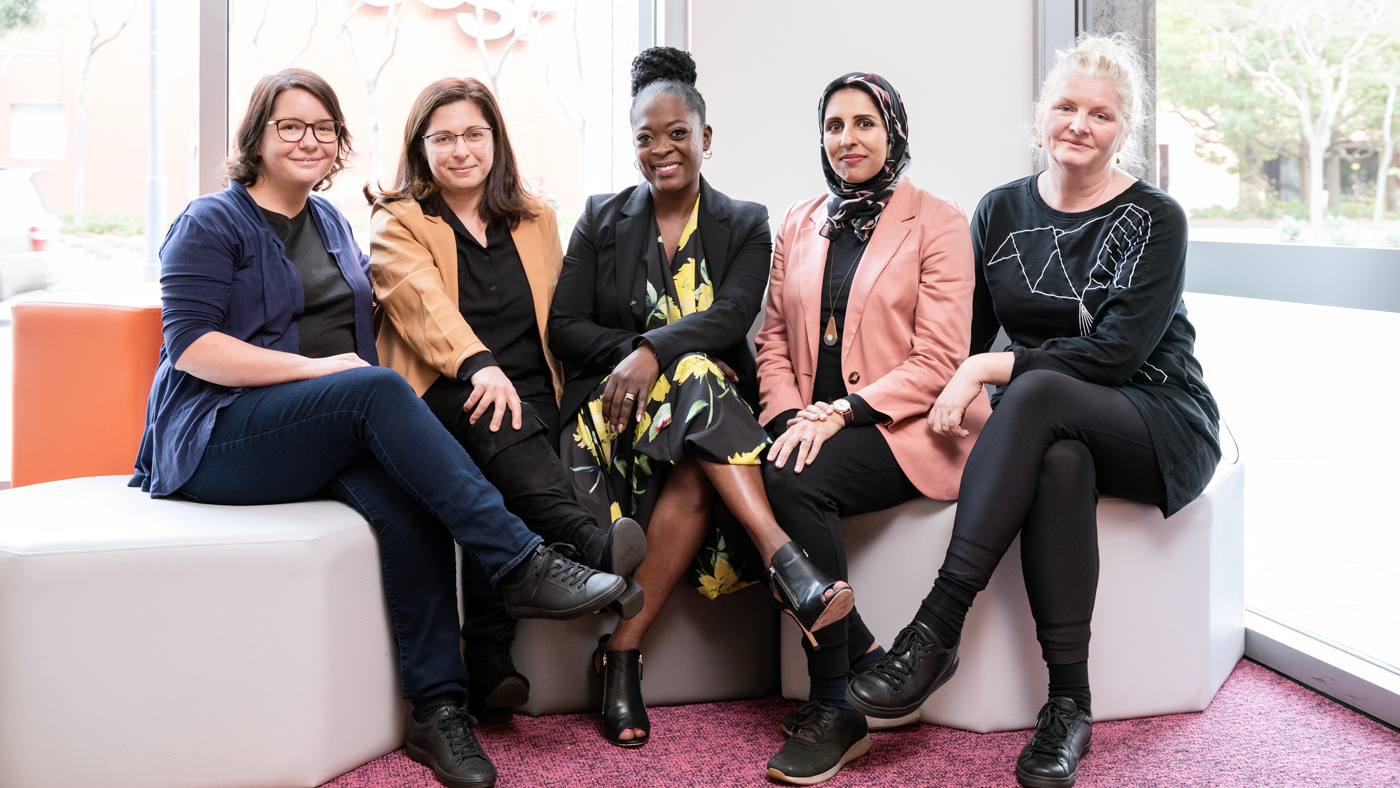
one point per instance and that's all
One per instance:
(812, 718)
(903, 657)
(562, 564)
(1051, 732)
(457, 726)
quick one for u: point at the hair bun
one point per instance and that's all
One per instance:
(662, 63)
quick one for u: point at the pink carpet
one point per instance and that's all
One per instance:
(1261, 730)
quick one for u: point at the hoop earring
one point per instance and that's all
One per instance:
(709, 153)
(636, 165)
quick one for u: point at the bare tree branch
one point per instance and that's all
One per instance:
(96, 42)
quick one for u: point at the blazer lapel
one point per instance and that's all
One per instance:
(528, 246)
(812, 268)
(895, 224)
(632, 231)
(714, 233)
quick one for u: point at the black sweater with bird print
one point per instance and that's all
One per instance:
(1096, 295)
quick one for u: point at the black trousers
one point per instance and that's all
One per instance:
(855, 473)
(1053, 443)
(524, 465)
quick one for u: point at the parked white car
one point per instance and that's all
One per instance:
(28, 230)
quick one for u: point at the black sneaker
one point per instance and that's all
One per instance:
(915, 666)
(824, 738)
(1051, 758)
(446, 744)
(554, 585)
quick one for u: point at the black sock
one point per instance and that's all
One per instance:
(1071, 681)
(517, 572)
(965, 571)
(867, 660)
(831, 691)
(424, 708)
(943, 614)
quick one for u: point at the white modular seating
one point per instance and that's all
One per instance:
(1168, 623)
(168, 644)
(699, 650)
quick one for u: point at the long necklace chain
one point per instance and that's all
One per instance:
(831, 334)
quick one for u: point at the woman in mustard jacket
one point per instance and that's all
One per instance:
(464, 262)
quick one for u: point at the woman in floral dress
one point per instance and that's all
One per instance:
(659, 287)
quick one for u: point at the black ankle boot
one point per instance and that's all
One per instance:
(623, 707)
(1062, 736)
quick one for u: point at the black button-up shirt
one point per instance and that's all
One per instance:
(494, 296)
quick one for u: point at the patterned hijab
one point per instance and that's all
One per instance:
(858, 205)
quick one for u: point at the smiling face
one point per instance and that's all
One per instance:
(295, 165)
(1081, 124)
(670, 142)
(459, 168)
(854, 135)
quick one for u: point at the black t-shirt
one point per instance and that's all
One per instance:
(493, 294)
(1096, 295)
(326, 326)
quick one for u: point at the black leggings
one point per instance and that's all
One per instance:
(1053, 443)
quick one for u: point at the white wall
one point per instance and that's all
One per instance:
(964, 69)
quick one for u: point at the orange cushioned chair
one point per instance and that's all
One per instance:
(82, 375)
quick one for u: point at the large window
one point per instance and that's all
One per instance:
(1276, 131)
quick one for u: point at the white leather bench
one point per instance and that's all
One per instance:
(1168, 622)
(167, 644)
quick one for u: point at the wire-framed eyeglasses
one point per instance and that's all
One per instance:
(476, 138)
(293, 130)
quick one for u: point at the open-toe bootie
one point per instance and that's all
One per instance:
(622, 694)
(800, 587)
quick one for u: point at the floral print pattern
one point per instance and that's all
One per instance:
(692, 411)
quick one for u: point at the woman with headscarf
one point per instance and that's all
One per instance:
(659, 287)
(868, 315)
(1099, 392)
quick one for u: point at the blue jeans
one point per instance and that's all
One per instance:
(363, 437)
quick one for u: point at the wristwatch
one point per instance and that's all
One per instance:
(843, 407)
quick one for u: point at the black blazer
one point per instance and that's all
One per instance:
(591, 326)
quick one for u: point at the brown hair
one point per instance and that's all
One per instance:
(505, 197)
(244, 159)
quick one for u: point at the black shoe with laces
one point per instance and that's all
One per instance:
(446, 744)
(824, 739)
(915, 666)
(1051, 758)
(551, 584)
(496, 687)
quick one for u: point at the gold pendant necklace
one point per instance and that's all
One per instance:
(830, 336)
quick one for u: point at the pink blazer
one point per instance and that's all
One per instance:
(908, 326)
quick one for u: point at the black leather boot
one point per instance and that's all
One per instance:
(551, 584)
(915, 666)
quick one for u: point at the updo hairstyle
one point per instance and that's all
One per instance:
(1116, 59)
(665, 70)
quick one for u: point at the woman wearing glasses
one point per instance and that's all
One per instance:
(266, 392)
(464, 261)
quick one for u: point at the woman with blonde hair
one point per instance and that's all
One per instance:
(1083, 266)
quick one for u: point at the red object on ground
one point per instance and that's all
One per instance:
(1261, 730)
(82, 373)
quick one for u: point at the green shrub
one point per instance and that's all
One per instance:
(127, 224)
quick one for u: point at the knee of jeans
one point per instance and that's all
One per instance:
(379, 380)
(1068, 462)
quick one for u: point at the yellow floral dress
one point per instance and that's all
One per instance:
(693, 412)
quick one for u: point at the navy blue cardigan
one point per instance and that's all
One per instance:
(223, 269)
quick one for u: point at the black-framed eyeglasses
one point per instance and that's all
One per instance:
(293, 130)
(476, 137)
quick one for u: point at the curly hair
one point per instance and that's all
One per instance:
(505, 198)
(665, 70)
(244, 161)
(1115, 58)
